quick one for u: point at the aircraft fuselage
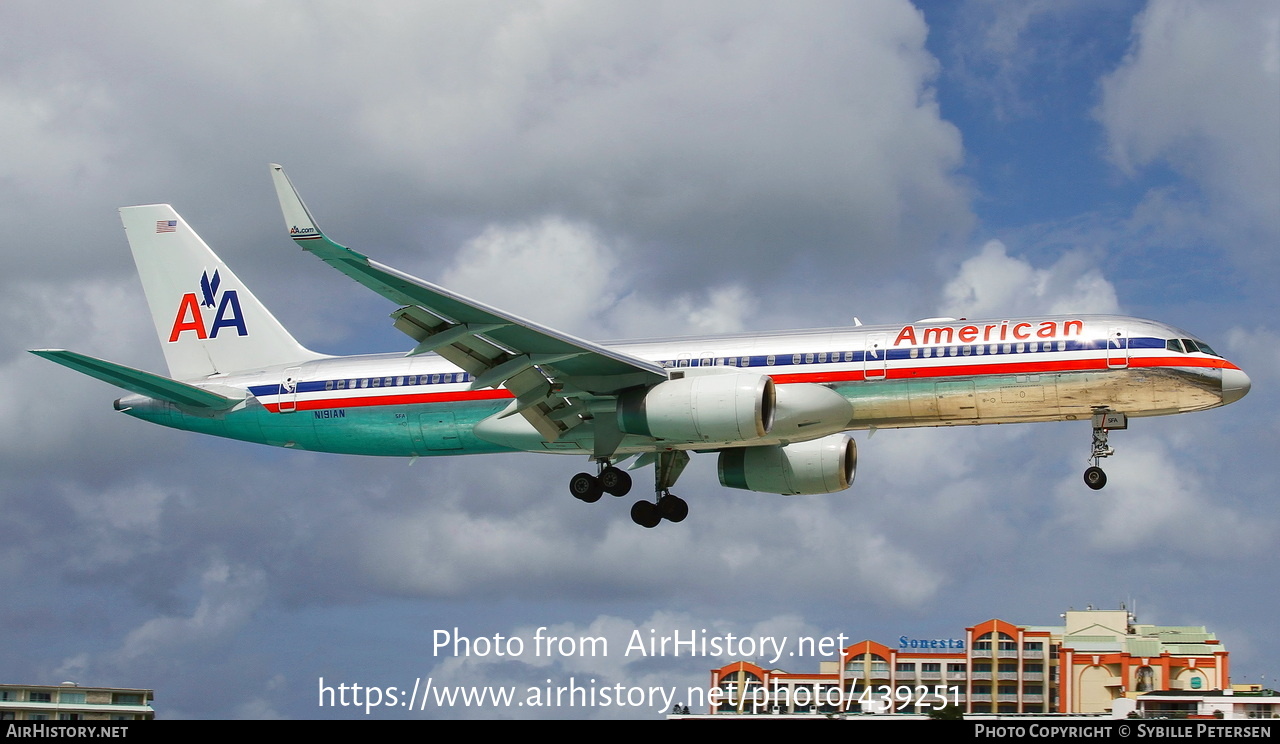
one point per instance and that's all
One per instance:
(929, 373)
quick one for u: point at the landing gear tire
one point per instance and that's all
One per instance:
(615, 481)
(645, 514)
(1094, 478)
(585, 487)
(673, 508)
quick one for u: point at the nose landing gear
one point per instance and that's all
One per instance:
(1104, 421)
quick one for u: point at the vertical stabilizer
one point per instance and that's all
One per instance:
(207, 320)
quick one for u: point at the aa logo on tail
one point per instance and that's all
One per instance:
(190, 318)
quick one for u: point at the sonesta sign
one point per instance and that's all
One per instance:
(1005, 330)
(951, 643)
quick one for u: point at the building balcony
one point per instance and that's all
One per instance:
(980, 653)
(980, 676)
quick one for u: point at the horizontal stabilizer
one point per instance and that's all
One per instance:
(137, 381)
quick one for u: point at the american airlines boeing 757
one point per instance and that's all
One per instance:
(775, 408)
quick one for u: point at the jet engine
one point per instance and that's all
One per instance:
(730, 407)
(823, 465)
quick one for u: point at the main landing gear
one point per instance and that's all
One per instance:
(614, 480)
(1104, 420)
(611, 480)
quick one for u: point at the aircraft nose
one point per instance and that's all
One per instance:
(1235, 384)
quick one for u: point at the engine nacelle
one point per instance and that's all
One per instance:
(823, 465)
(731, 407)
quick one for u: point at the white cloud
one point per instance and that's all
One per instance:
(564, 275)
(1198, 92)
(993, 284)
(1158, 501)
(229, 596)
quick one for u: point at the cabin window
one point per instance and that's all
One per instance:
(982, 350)
(808, 358)
(1021, 347)
(746, 361)
(341, 384)
(328, 384)
(914, 353)
(822, 357)
(769, 360)
(795, 358)
(399, 381)
(966, 350)
(364, 383)
(1062, 346)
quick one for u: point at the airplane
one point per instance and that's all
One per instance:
(776, 408)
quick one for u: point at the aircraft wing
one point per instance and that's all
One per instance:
(549, 372)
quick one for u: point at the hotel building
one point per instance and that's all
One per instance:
(71, 702)
(1082, 666)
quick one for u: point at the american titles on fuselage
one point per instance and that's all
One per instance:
(1003, 330)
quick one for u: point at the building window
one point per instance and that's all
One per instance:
(126, 698)
(906, 668)
(40, 697)
(931, 667)
(71, 698)
(1146, 679)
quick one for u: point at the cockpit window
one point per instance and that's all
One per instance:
(1200, 346)
(1174, 344)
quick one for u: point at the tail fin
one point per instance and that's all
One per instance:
(207, 320)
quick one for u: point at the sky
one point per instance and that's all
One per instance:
(621, 170)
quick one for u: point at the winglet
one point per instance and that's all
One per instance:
(303, 229)
(297, 218)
